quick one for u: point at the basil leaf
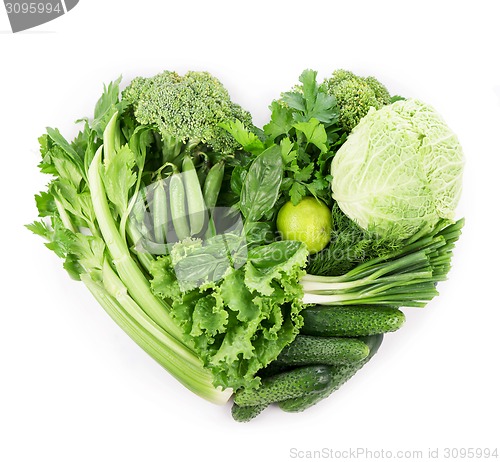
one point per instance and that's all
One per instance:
(259, 233)
(261, 185)
(270, 256)
(237, 178)
(195, 268)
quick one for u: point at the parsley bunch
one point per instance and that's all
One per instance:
(305, 122)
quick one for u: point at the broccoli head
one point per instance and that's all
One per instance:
(355, 96)
(186, 109)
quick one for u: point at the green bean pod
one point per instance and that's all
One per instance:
(212, 185)
(160, 212)
(211, 189)
(178, 207)
(195, 202)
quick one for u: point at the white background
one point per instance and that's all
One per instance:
(74, 388)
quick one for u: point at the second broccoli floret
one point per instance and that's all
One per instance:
(355, 96)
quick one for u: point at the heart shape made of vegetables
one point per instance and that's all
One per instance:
(263, 264)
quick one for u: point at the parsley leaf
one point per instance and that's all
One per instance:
(281, 120)
(249, 141)
(297, 192)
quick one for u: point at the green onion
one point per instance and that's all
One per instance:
(407, 277)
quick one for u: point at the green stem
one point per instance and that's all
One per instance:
(178, 361)
(132, 276)
(65, 218)
(145, 258)
(405, 278)
(324, 288)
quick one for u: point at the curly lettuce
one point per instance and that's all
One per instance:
(240, 319)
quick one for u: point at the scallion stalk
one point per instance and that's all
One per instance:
(407, 277)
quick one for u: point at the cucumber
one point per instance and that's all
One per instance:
(351, 321)
(322, 350)
(297, 382)
(338, 376)
(246, 413)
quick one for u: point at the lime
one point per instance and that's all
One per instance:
(310, 221)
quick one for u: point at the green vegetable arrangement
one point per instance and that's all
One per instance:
(260, 264)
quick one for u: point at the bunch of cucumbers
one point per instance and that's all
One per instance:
(334, 343)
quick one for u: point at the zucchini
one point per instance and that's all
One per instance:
(351, 321)
(291, 384)
(338, 376)
(322, 350)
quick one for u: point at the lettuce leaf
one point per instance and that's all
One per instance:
(240, 323)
